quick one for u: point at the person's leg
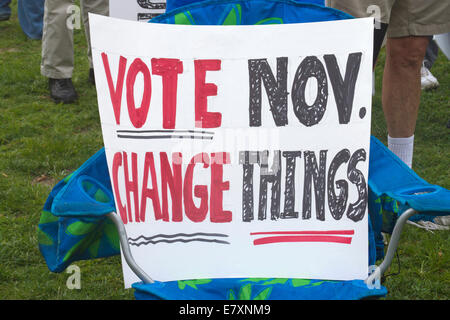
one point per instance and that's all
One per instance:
(401, 89)
(5, 10)
(410, 25)
(57, 40)
(57, 50)
(431, 54)
(98, 7)
(378, 39)
(31, 17)
(379, 9)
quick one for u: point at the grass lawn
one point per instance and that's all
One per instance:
(41, 143)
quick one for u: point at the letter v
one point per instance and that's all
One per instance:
(344, 89)
(115, 93)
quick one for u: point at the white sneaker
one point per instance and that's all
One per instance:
(428, 81)
(428, 225)
(438, 223)
(442, 220)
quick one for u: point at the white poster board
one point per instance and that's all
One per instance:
(236, 151)
(136, 10)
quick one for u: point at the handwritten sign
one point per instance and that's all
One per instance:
(136, 10)
(238, 151)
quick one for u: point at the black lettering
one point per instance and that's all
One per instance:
(276, 90)
(357, 210)
(344, 90)
(289, 193)
(337, 203)
(274, 178)
(149, 4)
(316, 174)
(248, 159)
(310, 115)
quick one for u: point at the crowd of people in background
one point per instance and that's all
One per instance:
(48, 20)
(57, 62)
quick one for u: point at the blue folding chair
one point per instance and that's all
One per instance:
(79, 222)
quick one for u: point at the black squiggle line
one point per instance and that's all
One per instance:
(179, 235)
(178, 240)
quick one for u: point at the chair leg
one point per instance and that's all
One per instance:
(392, 247)
(126, 249)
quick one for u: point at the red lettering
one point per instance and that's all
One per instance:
(173, 180)
(117, 162)
(192, 212)
(138, 116)
(152, 193)
(203, 118)
(131, 185)
(169, 70)
(182, 189)
(115, 93)
(218, 186)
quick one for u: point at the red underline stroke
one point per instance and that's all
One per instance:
(336, 232)
(278, 239)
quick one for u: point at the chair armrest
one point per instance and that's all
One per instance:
(126, 249)
(388, 175)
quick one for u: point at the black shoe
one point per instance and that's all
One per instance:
(62, 90)
(4, 16)
(91, 76)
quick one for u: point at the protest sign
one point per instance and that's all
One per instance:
(136, 10)
(238, 151)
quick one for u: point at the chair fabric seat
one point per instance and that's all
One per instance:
(257, 289)
(254, 12)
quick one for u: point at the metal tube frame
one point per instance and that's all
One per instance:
(126, 249)
(392, 247)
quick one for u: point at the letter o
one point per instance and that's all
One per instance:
(138, 116)
(310, 115)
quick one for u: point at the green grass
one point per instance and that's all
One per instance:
(41, 142)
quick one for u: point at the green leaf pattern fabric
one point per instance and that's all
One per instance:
(63, 240)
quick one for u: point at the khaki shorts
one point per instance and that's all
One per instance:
(405, 17)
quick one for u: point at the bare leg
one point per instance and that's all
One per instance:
(401, 84)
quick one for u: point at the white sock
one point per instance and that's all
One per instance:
(402, 148)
